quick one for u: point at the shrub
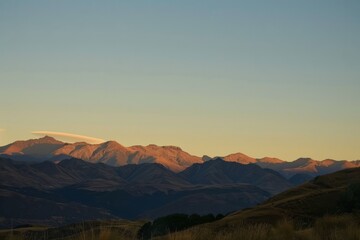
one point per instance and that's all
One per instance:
(173, 223)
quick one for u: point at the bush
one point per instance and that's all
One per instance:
(174, 223)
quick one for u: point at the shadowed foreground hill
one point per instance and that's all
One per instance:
(327, 208)
(329, 194)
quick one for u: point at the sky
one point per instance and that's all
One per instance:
(265, 78)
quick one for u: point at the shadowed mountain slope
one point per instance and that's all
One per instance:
(220, 172)
(18, 208)
(47, 175)
(300, 178)
(131, 191)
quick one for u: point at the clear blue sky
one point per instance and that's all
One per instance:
(275, 78)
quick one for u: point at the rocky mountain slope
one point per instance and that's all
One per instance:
(173, 158)
(111, 153)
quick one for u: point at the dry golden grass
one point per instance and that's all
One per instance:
(338, 227)
(124, 230)
(345, 227)
(105, 234)
(249, 232)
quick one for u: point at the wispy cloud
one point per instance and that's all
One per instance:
(69, 136)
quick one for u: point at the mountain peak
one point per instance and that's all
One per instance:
(111, 146)
(43, 145)
(206, 158)
(240, 158)
(111, 143)
(48, 139)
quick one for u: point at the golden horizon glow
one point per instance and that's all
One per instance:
(256, 77)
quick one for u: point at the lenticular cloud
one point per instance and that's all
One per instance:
(69, 136)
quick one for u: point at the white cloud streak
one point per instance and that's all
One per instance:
(69, 136)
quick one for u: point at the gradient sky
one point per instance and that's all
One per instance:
(266, 78)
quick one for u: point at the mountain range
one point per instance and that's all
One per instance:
(149, 190)
(46, 181)
(174, 158)
(111, 153)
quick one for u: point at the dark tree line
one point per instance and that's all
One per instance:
(173, 223)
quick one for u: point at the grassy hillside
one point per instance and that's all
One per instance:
(345, 227)
(104, 230)
(342, 227)
(325, 195)
(326, 208)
